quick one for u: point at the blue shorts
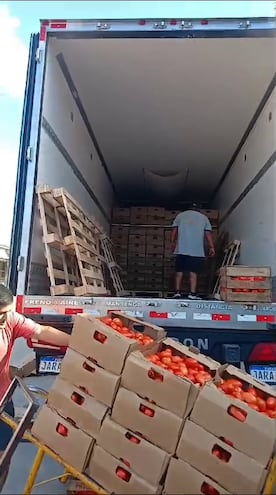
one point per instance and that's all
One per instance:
(5, 431)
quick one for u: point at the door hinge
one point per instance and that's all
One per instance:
(20, 263)
(38, 55)
(29, 154)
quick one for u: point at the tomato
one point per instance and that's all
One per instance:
(106, 320)
(165, 353)
(228, 442)
(216, 452)
(122, 474)
(207, 489)
(118, 322)
(261, 404)
(183, 370)
(191, 363)
(271, 414)
(166, 360)
(62, 430)
(237, 413)
(175, 367)
(235, 382)
(271, 403)
(191, 377)
(200, 378)
(249, 398)
(252, 391)
(177, 359)
(100, 337)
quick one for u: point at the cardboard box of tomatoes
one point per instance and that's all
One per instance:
(157, 425)
(69, 442)
(115, 476)
(215, 458)
(170, 374)
(241, 409)
(183, 479)
(109, 340)
(145, 459)
(71, 402)
(88, 376)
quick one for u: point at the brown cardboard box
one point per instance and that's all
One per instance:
(74, 404)
(104, 469)
(173, 393)
(110, 354)
(138, 215)
(183, 479)
(241, 474)
(255, 437)
(71, 444)
(121, 215)
(162, 428)
(86, 375)
(144, 458)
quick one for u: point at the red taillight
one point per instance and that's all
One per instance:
(142, 22)
(263, 353)
(204, 22)
(173, 22)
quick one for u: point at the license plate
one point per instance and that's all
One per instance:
(263, 373)
(49, 364)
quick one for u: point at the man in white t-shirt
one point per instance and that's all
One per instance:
(189, 230)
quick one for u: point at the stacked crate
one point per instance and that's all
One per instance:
(141, 413)
(85, 390)
(246, 284)
(143, 248)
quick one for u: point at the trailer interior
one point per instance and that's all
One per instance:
(161, 122)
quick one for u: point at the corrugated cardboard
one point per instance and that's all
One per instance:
(163, 429)
(112, 353)
(89, 377)
(102, 468)
(255, 437)
(144, 458)
(242, 474)
(74, 448)
(88, 414)
(173, 393)
(183, 479)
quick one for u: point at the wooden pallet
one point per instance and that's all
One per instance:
(230, 256)
(112, 266)
(84, 241)
(61, 267)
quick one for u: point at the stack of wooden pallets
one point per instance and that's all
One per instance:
(76, 248)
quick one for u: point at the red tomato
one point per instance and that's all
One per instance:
(252, 391)
(118, 322)
(237, 413)
(228, 442)
(271, 414)
(62, 430)
(191, 363)
(123, 474)
(261, 404)
(177, 359)
(100, 337)
(165, 353)
(249, 398)
(207, 489)
(271, 403)
(166, 360)
(183, 370)
(200, 378)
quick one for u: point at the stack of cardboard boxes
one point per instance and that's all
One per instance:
(86, 387)
(142, 247)
(139, 428)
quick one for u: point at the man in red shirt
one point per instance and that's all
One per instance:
(12, 327)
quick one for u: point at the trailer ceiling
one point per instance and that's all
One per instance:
(169, 106)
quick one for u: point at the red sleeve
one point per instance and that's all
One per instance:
(24, 327)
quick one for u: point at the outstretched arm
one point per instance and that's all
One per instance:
(52, 336)
(174, 233)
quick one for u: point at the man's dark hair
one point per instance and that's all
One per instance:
(6, 296)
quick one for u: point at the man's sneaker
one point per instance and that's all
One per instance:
(194, 297)
(177, 295)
